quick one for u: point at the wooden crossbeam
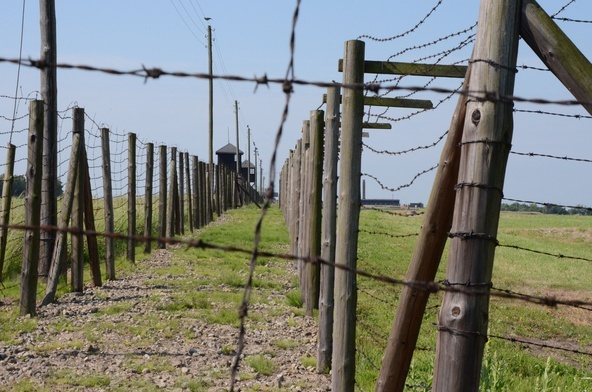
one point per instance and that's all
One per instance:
(367, 125)
(394, 102)
(412, 69)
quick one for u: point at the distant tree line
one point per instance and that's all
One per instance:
(546, 209)
(19, 186)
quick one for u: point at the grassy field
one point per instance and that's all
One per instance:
(508, 366)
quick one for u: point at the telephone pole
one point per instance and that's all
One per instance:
(210, 129)
(49, 93)
(256, 174)
(249, 155)
(238, 162)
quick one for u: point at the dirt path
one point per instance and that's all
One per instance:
(131, 335)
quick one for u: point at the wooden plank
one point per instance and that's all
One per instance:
(412, 69)
(394, 102)
(367, 125)
(485, 148)
(557, 51)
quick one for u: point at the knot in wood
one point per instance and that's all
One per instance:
(476, 116)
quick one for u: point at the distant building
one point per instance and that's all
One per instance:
(381, 202)
(227, 156)
(416, 205)
(251, 168)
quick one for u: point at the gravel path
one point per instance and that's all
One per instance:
(127, 335)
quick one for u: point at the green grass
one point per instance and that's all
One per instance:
(261, 364)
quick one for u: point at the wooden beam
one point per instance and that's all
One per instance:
(367, 125)
(412, 69)
(394, 102)
(557, 51)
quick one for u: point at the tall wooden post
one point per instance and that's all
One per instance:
(329, 227)
(314, 198)
(196, 191)
(189, 200)
(77, 241)
(162, 195)
(304, 179)
(487, 137)
(346, 251)
(49, 93)
(29, 273)
(426, 258)
(6, 202)
(181, 193)
(171, 202)
(148, 196)
(131, 197)
(60, 248)
(89, 224)
(108, 205)
(210, 176)
(295, 200)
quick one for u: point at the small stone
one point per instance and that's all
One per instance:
(184, 370)
(145, 371)
(279, 380)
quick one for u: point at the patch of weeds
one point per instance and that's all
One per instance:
(285, 344)
(154, 365)
(193, 385)
(115, 309)
(12, 326)
(261, 364)
(25, 385)
(294, 298)
(308, 361)
(222, 316)
(55, 346)
(75, 379)
(228, 350)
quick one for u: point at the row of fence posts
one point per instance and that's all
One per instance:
(308, 185)
(186, 186)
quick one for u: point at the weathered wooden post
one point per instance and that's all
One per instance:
(426, 258)
(148, 196)
(162, 195)
(60, 248)
(196, 191)
(77, 241)
(304, 191)
(171, 202)
(89, 224)
(314, 200)
(6, 202)
(131, 197)
(329, 227)
(181, 192)
(108, 205)
(346, 250)
(295, 200)
(486, 142)
(29, 273)
(189, 200)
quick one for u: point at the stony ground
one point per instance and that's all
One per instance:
(134, 334)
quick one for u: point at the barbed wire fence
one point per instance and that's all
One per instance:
(121, 182)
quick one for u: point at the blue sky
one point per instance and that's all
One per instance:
(251, 39)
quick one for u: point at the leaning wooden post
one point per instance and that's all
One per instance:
(29, 273)
(171, 202)
(89, 224)
(77, 241)
(148, 196)
(60, 249)
(557, 51)
(189, 200)
(6, 202)
(346, 248)
(426, 258)
(108, 205)
(317, 127)
(329, 227)
(162, 195)
(131, 198)
(486, 142)
(181, 193)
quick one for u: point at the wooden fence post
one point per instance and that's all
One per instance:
(77, 241)
(29, 273)
(317, 127)
(181, 193)
(196, 192)
(6, 202)
(148, 196)
(295, 199)
(485, 146)
(108, 205)
(346, 248)
(189, 200)
(426, 258)
(60, 248)
(162, 196)
(302, 235)
(171, 202)
(329, 227)
(131, 197)
(89, 223)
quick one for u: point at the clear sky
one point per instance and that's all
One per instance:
(252, 39)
